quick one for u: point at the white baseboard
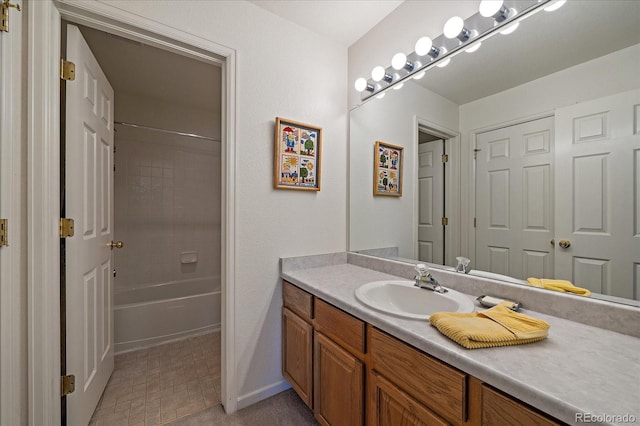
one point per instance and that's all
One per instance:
(258, 395)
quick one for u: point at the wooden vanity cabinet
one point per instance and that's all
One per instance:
(499, 409)
(323, 357)
(327, 353)
(428, 390)
(297, 341)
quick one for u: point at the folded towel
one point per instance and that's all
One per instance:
(498, 326)
(558, 285)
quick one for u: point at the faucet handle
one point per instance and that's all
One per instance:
(422, 270)
(463, 261)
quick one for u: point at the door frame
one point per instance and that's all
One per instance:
(43, 170)
(451, 187)
(12, 208)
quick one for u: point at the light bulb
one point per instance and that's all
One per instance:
(555, 6)
(473, 48)
(423, 46)
(419, 75)
(361, 84)
(511, 28)
(378, 73)
(444, 63)
(489, 8)
(398, 61)
(453, 27)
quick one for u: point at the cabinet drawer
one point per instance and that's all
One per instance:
(299, 301)
(502, 410)
(340, 326)
(438, 386)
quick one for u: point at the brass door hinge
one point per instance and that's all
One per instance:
(4, 14)
(68, 384)
(445, 158)
(474, 222)
(67, 70)
(445, 221)
(66, 227)
(4, 232)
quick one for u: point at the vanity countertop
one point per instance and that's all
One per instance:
(577, 369)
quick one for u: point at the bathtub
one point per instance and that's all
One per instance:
(148, 316)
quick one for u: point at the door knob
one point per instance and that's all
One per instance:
(564, 244)
(118, 244)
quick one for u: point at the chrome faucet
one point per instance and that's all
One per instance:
(425, 280)
(463, 265)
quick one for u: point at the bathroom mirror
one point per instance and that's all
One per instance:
(584, 52)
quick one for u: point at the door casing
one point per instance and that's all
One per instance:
(43, 168)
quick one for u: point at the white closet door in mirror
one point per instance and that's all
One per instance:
(598, 194)
(514, 200)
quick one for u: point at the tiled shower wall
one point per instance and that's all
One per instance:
(167, 202)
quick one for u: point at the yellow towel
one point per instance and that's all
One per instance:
(558, 285)
(498, 326)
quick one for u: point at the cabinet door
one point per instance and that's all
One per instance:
(338, 384)
(501, 410)
(389, 406)
(297, 342)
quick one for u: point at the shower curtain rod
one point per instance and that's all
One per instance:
(173, 132)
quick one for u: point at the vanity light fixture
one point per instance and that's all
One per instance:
(454, 28)
(362, 84)
(399, 61)
(494, 9)
(379, 74)
(424, 46)
(493, 17)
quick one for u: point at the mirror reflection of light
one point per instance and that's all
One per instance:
(398, 86)
(473, 48)
(555, 6)
(443, 63)
(511, 28)
(419, 75)
(381, 95)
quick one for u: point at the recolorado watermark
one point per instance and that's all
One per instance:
(605, 418)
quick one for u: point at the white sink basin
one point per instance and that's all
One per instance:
(403, 299)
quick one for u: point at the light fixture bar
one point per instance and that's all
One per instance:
(430, 53)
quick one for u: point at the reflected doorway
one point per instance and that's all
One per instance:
(431, 197)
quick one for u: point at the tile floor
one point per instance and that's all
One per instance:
(178, 383)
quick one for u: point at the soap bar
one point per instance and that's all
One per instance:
(489, 302)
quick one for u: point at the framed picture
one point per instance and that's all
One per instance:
(387, 169)
(298, 155)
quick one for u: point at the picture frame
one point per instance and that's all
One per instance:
(388, 162)
(298, 155)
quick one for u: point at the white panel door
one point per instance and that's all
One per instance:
(514, 200)
(597, 194)
(431, 202)
(89, 201)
